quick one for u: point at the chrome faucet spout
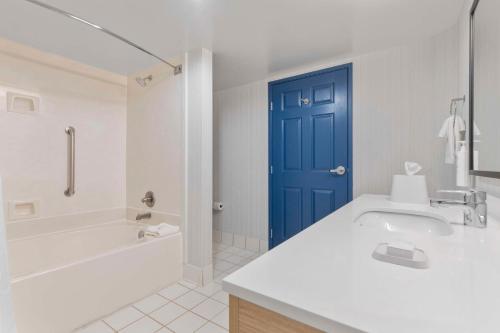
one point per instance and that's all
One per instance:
(474, 202)
(143, 216)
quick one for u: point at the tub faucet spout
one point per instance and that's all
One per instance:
(142, 216)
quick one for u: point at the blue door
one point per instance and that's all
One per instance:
(310, 149)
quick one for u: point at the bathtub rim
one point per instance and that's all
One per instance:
(79, 228)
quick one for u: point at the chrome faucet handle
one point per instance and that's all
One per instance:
(149, 199)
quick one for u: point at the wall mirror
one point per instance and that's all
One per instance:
(484, 99)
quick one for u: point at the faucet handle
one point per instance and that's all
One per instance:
(149, 199)
(464, 194)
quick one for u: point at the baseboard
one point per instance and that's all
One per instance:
(240, 241)
(197, 275)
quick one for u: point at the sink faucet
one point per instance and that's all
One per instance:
(476, 210)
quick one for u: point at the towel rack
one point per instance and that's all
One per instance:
(454, 102)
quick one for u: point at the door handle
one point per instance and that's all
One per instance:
(340, 170)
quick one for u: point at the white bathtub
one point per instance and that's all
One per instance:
(63, 280)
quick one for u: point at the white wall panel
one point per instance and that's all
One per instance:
(155, 151)
(33, 158)
(240, 159)
(198, 121)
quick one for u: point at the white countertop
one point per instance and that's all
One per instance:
(326, 277)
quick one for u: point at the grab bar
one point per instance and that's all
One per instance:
(70, 131)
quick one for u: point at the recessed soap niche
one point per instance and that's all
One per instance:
(21, 210)
(22, 103)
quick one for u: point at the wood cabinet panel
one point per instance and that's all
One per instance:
(246, 317)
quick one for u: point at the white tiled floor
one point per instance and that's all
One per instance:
(182, 307)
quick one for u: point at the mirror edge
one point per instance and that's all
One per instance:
(472, 172)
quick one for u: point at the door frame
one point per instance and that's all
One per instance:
(349, 166)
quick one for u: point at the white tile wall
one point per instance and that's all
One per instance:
(252, 244)
(33, 160)
(227, 238)
(239, 241)
(155, 152)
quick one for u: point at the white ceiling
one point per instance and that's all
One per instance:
(250, 38)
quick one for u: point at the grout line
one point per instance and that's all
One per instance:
(163, 297)
(143, 313)
(129, 324)
(225, 329)
(105, 323)
(165, 325)
(211, 322)
(146, 314)
(161, 324)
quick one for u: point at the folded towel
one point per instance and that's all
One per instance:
(450, 130)
(160, 230)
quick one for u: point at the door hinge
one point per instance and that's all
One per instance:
(271, 170)
(271, 106)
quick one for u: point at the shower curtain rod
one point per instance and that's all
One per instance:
(177, 69)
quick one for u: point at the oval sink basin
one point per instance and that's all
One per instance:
(406, 223)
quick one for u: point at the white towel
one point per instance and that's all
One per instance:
(451, 131)
(160, 230)
(462, 176)
(476, 130)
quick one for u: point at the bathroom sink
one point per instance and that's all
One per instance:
(405, 223)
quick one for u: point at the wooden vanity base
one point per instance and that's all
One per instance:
(246, 317)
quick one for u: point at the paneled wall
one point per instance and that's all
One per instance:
(401, 98)
(240, 159)
(33, 148)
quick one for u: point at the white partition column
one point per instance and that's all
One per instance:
(198, 108)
